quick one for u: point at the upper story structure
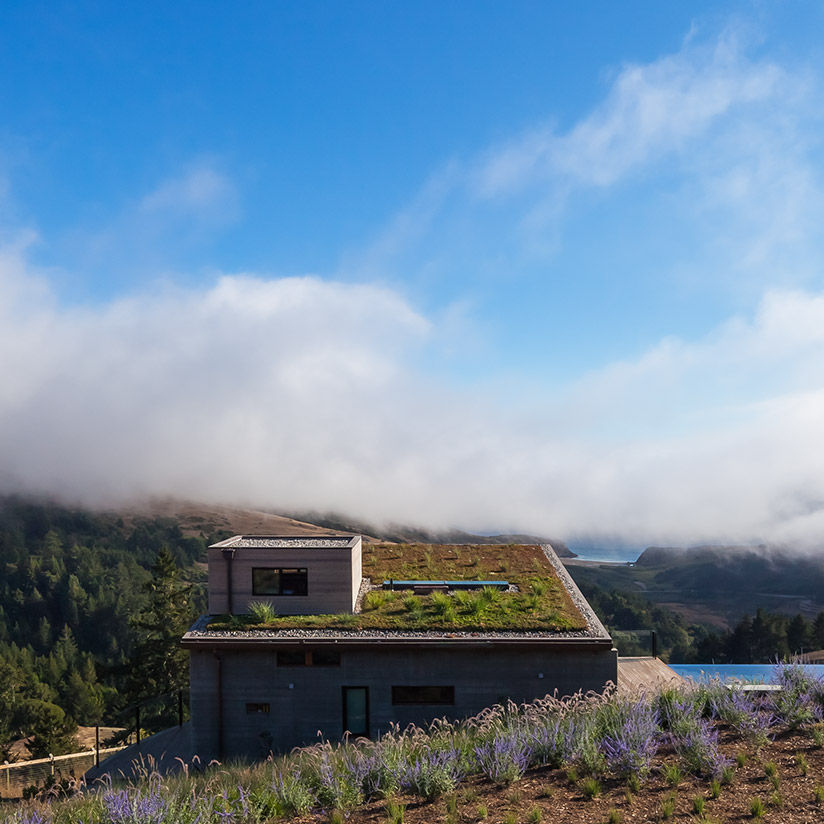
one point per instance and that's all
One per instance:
(297, 575)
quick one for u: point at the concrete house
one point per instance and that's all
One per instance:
(367, 635)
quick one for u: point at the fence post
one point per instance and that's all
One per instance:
(97, 745)
(51, 763)
(654, 639)
(137, 725)
(8, 777)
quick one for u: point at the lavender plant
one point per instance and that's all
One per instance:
(631, 737)
(504, 759)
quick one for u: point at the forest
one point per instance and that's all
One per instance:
(91, 608)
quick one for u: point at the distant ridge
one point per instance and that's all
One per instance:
(405, 534)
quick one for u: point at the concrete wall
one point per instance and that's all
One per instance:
(304, 700)
(334, 578)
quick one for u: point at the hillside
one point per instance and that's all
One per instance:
(684, 754)
(716, 585)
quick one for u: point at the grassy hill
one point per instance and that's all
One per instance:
(716, 585)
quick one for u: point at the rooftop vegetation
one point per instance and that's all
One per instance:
(648, 757)
(541, 603)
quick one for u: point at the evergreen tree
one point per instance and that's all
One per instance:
(159, 666)
(51, 729)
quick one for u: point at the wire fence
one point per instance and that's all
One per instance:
(16, 778)
(147, 716)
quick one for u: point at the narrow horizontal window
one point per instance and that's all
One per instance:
(269, 581)
(423, 695)
(292, 658)
(308, 658)
(257, 709)
(325, 658)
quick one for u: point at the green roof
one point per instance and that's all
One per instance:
(539, 602)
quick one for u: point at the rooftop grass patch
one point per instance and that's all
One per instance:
(539, 603)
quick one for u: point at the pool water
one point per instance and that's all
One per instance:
(754, 673)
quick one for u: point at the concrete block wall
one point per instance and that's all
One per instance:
(306, 700)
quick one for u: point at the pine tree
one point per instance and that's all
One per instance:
(159, 666)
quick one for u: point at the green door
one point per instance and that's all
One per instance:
(356, 710)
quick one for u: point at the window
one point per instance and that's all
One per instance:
(257, 709)
(423, 695)
(309, 658)
(292, 581)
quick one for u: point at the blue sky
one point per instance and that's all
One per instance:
(535, 258)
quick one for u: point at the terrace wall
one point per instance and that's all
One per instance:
(305, 701)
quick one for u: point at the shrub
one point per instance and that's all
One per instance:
(668, 808)
(797, 703)
(534, 816)
(818, 795)
(672, 774)
(715, 788)
(757, 808)
(614, 816)
(801, 762)
(630, 739)
(292, 795)
(262, 612)
(591, 788)
(431, 774)
(504, 759)
(394, 812)
(698, 804)
(374, 600)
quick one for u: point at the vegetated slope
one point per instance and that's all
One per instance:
(71, 582)
(684, 753)
(197, 519)
(716, 586)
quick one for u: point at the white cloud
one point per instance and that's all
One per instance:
(650, 110)
(308, 393)
(200, 190)
(715, 145)
(300, 393)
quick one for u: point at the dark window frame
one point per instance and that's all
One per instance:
(307, 658)
(411, 695)
(257, 708)
(291, 574)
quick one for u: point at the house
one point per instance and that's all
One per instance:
(360, 636)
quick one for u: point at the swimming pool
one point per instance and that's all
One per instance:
(754, 673)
